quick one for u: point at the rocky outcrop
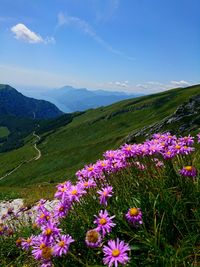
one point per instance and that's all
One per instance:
(184, 119)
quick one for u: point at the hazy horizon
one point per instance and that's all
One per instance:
(132, 46)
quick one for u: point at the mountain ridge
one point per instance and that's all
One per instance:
(70, 99)
(72, 142)
(15, 103)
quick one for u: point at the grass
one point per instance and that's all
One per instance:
(169, 235)
(70, 147)
(4, 132)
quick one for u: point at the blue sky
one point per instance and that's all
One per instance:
(129, 45)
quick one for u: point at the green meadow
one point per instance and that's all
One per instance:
(82, 140)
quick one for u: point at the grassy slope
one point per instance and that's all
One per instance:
(4, 131)
(87, 136)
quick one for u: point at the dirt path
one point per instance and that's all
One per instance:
(36, 148)
(27, 161)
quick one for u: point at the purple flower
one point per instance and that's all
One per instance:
(61, 210)
(198, 135)
(46, 263)
(75, 193)
(105, 193)
(93, 238)
(62, 189)
(188, 171)
(187, 140)
(49, 231)
(43, 218)
(104, 222)
(27, 243)
(116, 253)
(42, 251)
(87, 184)
(134, 216)
(62, 245)
(168, 154)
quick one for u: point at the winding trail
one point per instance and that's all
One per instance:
(39, 154)
(36, 148)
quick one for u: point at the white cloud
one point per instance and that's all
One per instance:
(87, 29)
(155, 86)
(21, 32)
(124, 84)
(181, 83)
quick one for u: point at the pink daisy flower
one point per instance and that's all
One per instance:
(116, 253)
(61, 210)
(27, 243)
(105, 193)
(87, 184)
(198, 135)
(63, 245)
(134, 216)
(104, 222)
(188, 171)
(75, 193)
(42, 251)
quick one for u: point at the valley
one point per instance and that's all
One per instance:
(70, 142)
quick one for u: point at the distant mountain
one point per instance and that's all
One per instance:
(70, 99)
(16, 104)
(74, 140)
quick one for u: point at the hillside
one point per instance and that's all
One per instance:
(69, 147)
(14, 103)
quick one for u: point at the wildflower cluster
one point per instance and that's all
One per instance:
(51, 242)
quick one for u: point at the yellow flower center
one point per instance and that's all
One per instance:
(18, 241)
(188, 168)
(42, 216)
(34, 225)
(105, 193)
(48, 231)
(168, 153)
(47, 252)
(134, 212)
(86, 184)
(177, 147)
(29, 240)
(92, 236)
(61, 244)
(102, 221)
(90, 169)
(103, 164)
(128, 148)
(115, 252)
(74, 192)
(61, 208)
(42, 246)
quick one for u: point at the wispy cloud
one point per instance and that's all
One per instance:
(124, 84)
(181, 83)
(155, 86)
(21, 32)
(87, 29)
